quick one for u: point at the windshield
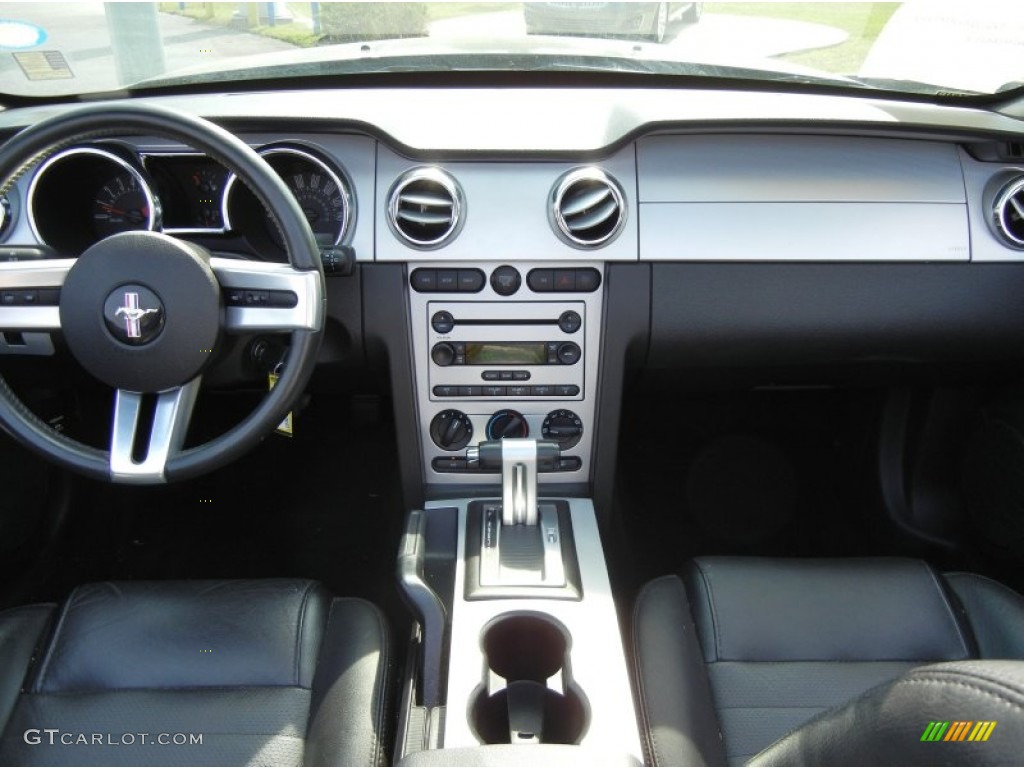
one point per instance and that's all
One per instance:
(63, 49)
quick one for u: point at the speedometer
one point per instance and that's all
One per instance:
(321, 191)
(322, 200)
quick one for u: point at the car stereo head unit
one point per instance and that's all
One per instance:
(481, 350)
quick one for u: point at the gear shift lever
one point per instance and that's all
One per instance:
(521, 545)
(517, 459)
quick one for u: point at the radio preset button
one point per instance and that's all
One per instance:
(445, 390)
(566, 390)
(542, 390)
(471, 391)
(442, 322)
(519, 390)
(494, 391)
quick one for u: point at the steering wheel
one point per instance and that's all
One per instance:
(141, 311)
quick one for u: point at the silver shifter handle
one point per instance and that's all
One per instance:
(517, 458)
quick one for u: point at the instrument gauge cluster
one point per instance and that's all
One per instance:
(84, 194)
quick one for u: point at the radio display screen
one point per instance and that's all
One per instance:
(507, 353)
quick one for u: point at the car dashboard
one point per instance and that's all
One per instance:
(548, 239)
(515, 258)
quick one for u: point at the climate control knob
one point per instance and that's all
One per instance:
(451, 430)
(443, 354)
(507, 423)
(563, 427)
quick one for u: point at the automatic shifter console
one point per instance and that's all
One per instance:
(520, 543)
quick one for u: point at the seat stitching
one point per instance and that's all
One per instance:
(54, 641)
(980, 577)
(647, 733)
(711, 606)
(377, 751)
(298, 634)
(972, 686)
(948, 607)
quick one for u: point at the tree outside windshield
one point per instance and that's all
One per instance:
(56, 49)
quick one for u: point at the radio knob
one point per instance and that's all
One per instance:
(451, 430)
(568, 353)
(564, 427)
(443, 354)
(507, 423)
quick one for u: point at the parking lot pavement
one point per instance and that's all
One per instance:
(79, 33)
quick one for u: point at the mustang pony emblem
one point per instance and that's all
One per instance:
(133, 314)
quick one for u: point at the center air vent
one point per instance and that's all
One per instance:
(425, 208)
(1008, 213)
(588, 208)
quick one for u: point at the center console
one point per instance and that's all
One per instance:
(517, 648)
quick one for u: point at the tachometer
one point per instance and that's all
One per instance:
(84, 194)
(120, 205)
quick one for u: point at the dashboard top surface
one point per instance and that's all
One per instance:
(572, 121)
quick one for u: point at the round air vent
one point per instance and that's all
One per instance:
(425, 208)
(1008, 213)
(588, 208)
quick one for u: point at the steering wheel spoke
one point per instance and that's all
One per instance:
(261, 296)
(29, 293)
(140, 448)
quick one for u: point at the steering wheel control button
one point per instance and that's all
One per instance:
(141, 311)
(570, 321)
(442, 322)
(134, 314)
(505, 280)
(242, 297)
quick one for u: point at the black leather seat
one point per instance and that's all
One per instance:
(743, 651)
(261, 672)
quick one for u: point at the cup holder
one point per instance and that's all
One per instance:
(527, 694)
